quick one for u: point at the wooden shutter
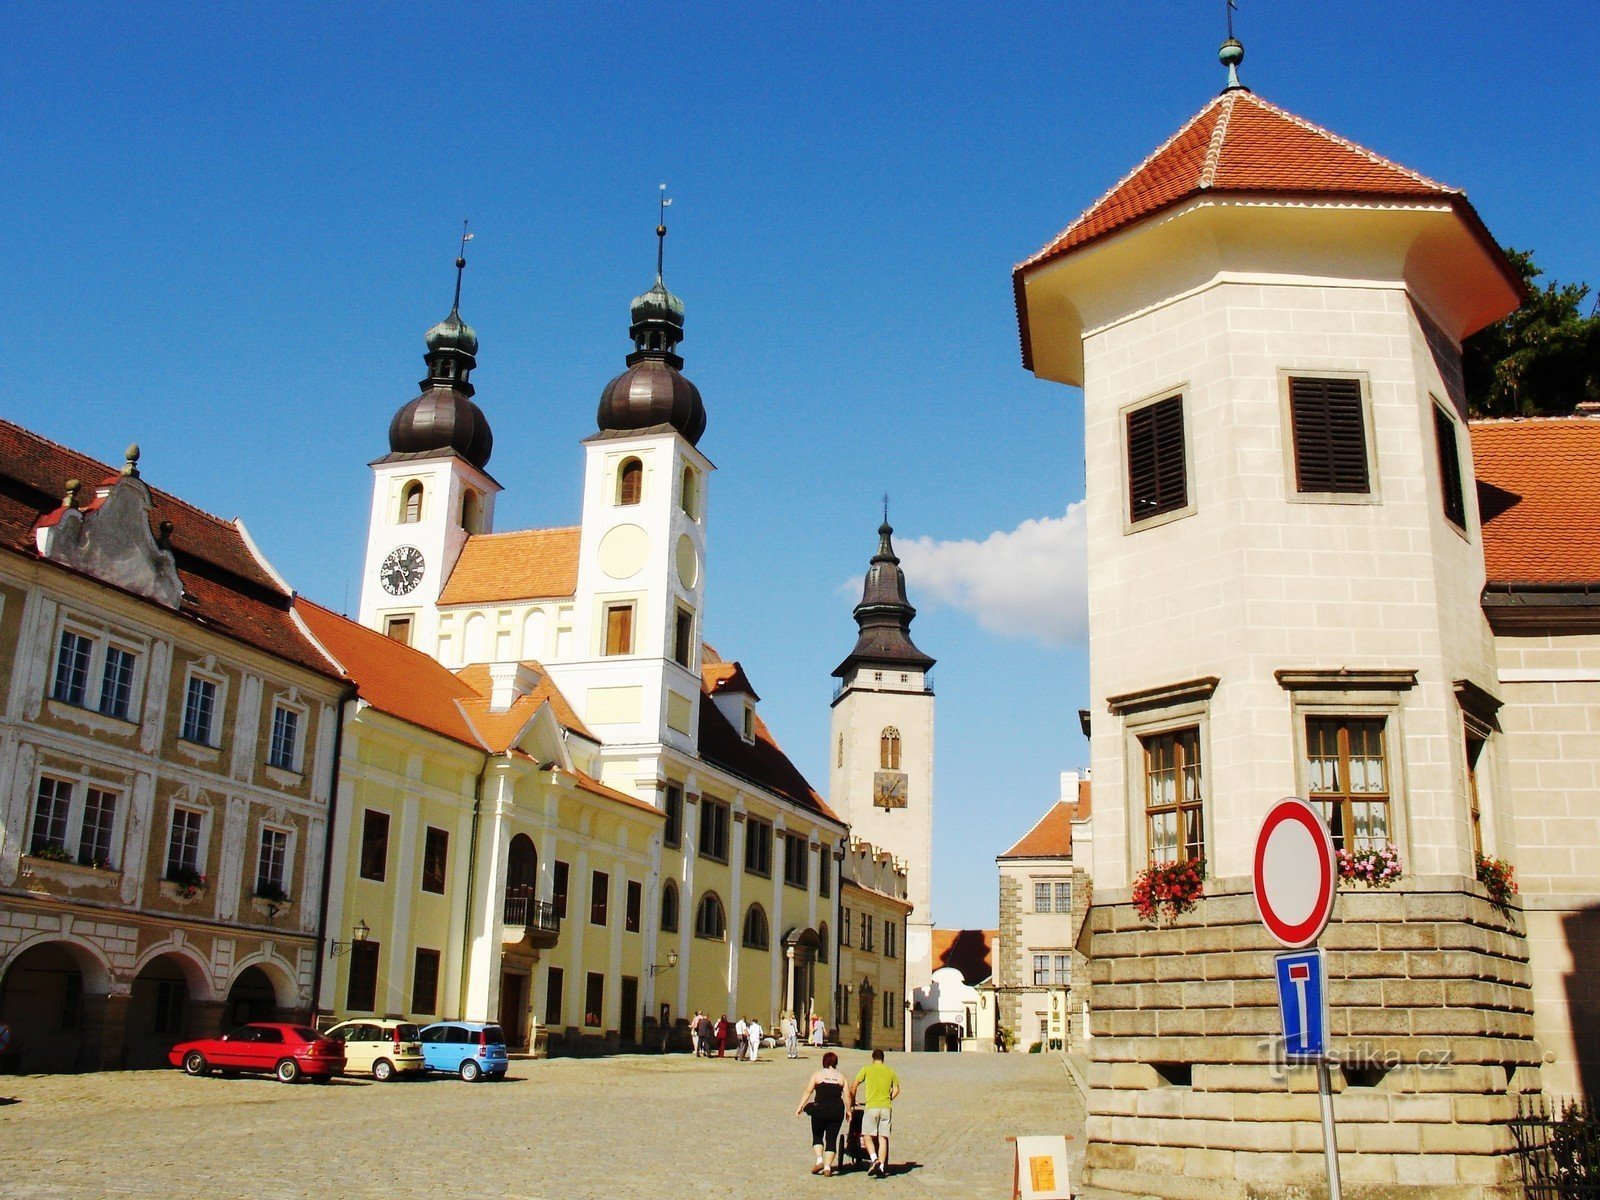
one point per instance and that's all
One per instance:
(1330, 438)
(619, 629)
(1157, 474)
(1444, 432)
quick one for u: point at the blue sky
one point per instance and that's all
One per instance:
(227, 227)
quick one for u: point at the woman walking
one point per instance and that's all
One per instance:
(722, 1036)
(828, 1095)
(819, 1030)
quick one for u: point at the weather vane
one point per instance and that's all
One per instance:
(661, 230)
(1230, 5)
(886, 508)
(461, 261)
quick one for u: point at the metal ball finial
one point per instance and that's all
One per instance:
(1230, 55)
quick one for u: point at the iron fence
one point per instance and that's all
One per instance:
(524, 910)
(1558, 1148)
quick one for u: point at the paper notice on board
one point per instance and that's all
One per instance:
(1042, 1168)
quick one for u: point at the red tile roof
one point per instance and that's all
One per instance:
(1539, 499)
(477, 675)
(226, 587)
(529, 564)
(968, 950)
(1051, 836)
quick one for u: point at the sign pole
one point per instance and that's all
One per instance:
(1330, 1147)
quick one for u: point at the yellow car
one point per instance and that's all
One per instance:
(383, 1048)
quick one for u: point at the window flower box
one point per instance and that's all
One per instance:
(1376, 867)
(186, 882)
(1173, 888)
(1499, 878)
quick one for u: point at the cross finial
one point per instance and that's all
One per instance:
(461, 264)
(1232, 52)
(661, 231)
(886, 508)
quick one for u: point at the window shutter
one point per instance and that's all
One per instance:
(1157, 480)
(1330, 439)
(1444, 431)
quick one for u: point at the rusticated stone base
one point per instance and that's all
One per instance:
(1432, 1027)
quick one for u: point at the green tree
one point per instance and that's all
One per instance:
(1544, 359)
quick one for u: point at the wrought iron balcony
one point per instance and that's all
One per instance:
(530, 920)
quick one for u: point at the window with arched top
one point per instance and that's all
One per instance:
(889, 749)
(630, 481)
(411, 503)
(756, 935)
(822, 943)
(471, 506)
(710, 920)
(669, 907)
(687, 499)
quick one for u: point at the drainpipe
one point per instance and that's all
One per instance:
(327, 856)
(472, 877)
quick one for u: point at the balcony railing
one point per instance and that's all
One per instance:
(529, 913)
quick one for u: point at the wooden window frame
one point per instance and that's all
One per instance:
(1340, 804)
(630, 484)
(613, 637)
(1183, 751)
(599, 897)
(758, 836)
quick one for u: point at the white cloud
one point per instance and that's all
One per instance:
(1028, 582)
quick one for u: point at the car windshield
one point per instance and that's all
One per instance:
(492, 1035)
(407, 1033)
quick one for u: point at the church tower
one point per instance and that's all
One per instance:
(430, 491)
(881, 777)
(636, 621)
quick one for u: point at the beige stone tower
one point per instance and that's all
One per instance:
(1285, 565)
(881, 775)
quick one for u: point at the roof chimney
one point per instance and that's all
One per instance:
(511, 681)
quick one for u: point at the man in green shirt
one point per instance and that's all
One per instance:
(875, 1090)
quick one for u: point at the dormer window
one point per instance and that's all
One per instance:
(630, 481)
(411, 503)
(749, 723)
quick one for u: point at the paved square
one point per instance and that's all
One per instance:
(564, 1129)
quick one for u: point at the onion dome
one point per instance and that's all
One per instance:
(444, 418)
(653, 391)
(884, 615)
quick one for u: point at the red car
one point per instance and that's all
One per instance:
(287, 1051)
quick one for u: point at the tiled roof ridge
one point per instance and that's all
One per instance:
(111, 473)
(1219, 134)
(1034, 828)
(1370, 155)
(511, 533)
(1050, 245)
(1540, 419)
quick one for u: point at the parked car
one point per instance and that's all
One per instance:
(384, 1048)
(470, 1049)
(287, 1051)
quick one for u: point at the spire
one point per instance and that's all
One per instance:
(658, 315)
(884, 614)
(452, 344)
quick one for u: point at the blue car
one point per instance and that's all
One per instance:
(470, 1049)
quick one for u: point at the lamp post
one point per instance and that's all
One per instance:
(357, 934)
(655, 969)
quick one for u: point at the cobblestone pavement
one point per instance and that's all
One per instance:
(562, 1129)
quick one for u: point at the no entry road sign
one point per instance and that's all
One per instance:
(1303, 1002)
(1294, 873)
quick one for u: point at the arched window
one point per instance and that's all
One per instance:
(471, 505)
(710, 921)
(669, 907)
(889, 749)
(411, 503)
(630, 481)
(756, 936)
(822, 942)
(522, 867)
(686, 494)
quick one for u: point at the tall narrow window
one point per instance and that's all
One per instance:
(630, 481)
(796, 859)
(891, 939)
(99, 819)
(889, 749)
(116, 683)
(1041, 898)
(825, 873)
(824, 946)
(272, 863)
(470, 507)
(757, 847)
(554, 983)
(713, 830)
(361, 990)
(435, 858)
(284, 747)
(1349, 779)
(72, 668)
(844, 927)
(558, 891)
(672, 835)
(199, 711)
(374, 844)
(1474, 810)
(687, 497)
(425, 983)
(756, 936)
(599, 897)
(633, 912)
(51, 810)
(1444, 433)
(683, 638)
(1174, 816)
(1330, 436)
(1157, 472)
(183, 842)
(1041, 970)
(669, 907)
(619, 629)
(594, 999)
(411, 504)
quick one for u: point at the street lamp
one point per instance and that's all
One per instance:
(357, 934)
(655, 969)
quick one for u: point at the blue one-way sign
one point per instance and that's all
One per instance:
(1303, 1002)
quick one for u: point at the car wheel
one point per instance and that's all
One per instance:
(288, 1071)
(194, 1063)
(470, 1071)
(383, 1070)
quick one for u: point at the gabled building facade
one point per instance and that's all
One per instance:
(167, 750)
(871, 1000)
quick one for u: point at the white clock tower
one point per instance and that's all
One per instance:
(881, 777)
(430, 492)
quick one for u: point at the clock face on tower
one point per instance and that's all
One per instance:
(402, 570)
(889, 789)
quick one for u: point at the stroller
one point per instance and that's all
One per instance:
(851, 1149)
